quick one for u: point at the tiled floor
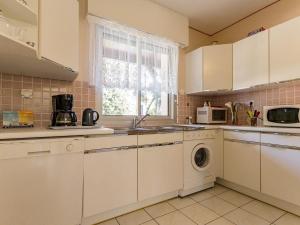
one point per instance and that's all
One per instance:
(215, 206)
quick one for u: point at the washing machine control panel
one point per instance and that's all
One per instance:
(200, 134)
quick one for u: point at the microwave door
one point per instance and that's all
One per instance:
(284, 115)
(218, 115)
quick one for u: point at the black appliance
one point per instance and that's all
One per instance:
(89, 117)
(62, 114)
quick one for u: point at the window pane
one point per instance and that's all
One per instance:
(137, 71)
(154, 80)
(119, 74)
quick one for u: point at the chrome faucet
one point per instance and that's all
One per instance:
(137, 122)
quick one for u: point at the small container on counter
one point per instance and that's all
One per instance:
(189, 120)
(16, 119)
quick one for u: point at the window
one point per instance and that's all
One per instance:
(137, 72)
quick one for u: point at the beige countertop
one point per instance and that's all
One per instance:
(23, 133)
(249, 128)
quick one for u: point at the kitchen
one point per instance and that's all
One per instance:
(149, 112)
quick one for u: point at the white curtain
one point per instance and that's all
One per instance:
(142, 64)
(124, 37)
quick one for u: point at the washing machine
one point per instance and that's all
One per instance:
(198, 160)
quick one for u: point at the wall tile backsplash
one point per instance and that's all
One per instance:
(43, 89)
(85, 95)
(274, 94)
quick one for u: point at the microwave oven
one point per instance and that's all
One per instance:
(282, 116)
(211, 115)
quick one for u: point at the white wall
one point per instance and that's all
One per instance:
(143, 15)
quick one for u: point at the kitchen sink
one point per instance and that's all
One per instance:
(146, 130)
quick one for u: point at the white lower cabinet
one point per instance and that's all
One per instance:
(242, 162)
(280, 175)
(160, 170)
(110, 175)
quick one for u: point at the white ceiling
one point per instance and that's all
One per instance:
(211, 16)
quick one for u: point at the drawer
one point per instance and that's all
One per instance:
(281, 139)
(92, 143)
(242, 135)
(147, 139)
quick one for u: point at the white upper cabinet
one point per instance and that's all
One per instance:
(59, 32)
(251, 61)
(194, 71)
(285, 51)
(209, 69)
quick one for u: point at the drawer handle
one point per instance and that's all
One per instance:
(283, 147)
(241, 131)
(160, 144)
(39, 153)
(282, 134)
(242, 141)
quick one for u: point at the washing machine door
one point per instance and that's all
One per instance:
(201, 157)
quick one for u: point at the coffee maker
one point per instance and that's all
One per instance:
(62, 114)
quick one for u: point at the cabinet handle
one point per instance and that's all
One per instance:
(282, 134)
(122, 148)
(160, 144)
(285, 147)
(242, 141)
(241, 131)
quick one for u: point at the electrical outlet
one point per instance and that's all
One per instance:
(26, 93)
(247, 103)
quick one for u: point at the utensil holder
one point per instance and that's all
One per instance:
(253, 121)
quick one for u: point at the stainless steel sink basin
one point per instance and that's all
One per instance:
(145, 130)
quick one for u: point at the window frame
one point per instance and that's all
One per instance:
(111, 119)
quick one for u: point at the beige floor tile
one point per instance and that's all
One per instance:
(109, 222)
(174, 218)
(160, 209)
(151, 222)
(288, 219)
(199, 213)
(179, 203)
(202, 195)
(220, 221)
(242, 217)
(218, 189)
(235, 198)
(264, 210)
(218, 205)
(134, 218)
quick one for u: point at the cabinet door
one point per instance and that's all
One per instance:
(58, 32)
(194, 71)
(280, 175)
(285, 51)
(251, 61)
(160, 170)
(110, 180)
(242, 164)
(217, 67)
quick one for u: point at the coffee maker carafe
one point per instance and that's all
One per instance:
(62, 114)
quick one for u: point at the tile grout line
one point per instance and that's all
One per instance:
(162, 214)
(262, 217)
(285, 213)
(219, 216)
